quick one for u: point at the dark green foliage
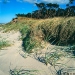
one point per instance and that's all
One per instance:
(28, 43)
(50, 10)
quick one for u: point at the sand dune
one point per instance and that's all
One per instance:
(12, 57)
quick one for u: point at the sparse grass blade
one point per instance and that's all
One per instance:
(23, 72)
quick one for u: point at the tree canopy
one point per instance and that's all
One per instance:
(50, 10)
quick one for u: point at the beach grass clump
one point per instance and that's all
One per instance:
(4, 44)
(23, 72)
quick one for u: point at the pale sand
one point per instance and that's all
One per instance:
(11, 57)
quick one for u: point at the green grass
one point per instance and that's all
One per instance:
(24, 31)
(28, 43)
(58, 31)
(17, 26)
(3, 44)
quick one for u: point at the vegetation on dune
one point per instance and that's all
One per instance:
(3, 44)
(47, 27)
(30, 40)
(28, 43)
(59, 31)
(21, 22)
(23, 72)
(24, 31)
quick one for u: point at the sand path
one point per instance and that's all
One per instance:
(12, 57)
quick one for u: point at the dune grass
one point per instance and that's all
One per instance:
(4, 43)
(23, 72)
(58, 31)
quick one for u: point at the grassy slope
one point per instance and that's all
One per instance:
(59, 31)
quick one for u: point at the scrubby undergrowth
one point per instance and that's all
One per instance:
(58, 31)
